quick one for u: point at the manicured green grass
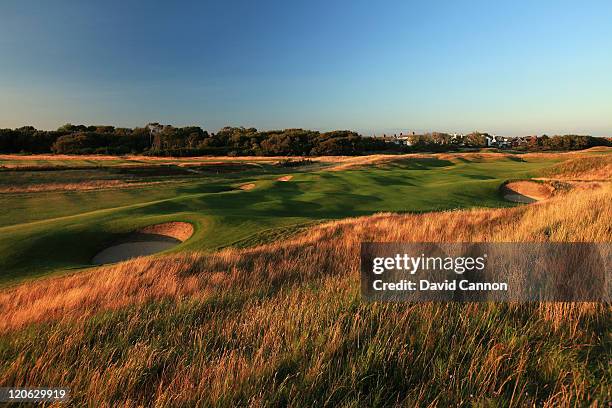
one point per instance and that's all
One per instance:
(47, 232)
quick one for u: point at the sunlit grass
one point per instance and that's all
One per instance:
(283, 324)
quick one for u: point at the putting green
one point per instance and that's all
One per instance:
(50, 232)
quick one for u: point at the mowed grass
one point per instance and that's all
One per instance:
(283, 324)
(46, 232)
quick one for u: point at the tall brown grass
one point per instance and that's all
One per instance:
(16, 161)
(282, 324)
(330, 248)
(80, 186)
(583, 168)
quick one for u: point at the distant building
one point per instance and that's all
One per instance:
(457, 139)
(404, 140)
(501, 142)
(520, 141)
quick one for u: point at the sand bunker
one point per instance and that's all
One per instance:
(526, 191)
(284, 178)
(181, 231)
(145, 241)
(249, 186)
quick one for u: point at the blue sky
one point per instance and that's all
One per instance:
(519, 67)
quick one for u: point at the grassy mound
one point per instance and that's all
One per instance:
(583, 168)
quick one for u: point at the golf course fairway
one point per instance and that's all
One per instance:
(43, 232)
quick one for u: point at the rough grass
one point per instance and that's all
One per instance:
(283, 324)
(81, 186)
(584, 168)
(50, 161)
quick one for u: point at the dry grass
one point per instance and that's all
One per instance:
(351, 162)
(206, 160)
(584, 168)
(80, 186)
(330, 248)
(29, 157)
(336, 162)
(283, 324)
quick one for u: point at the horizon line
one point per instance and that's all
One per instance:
(362, 132)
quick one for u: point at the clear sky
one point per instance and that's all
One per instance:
(511, 67)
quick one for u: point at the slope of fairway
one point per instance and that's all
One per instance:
(55, 231)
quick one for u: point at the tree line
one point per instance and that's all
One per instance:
(526, 143)
(158, 140)
(163, 140)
